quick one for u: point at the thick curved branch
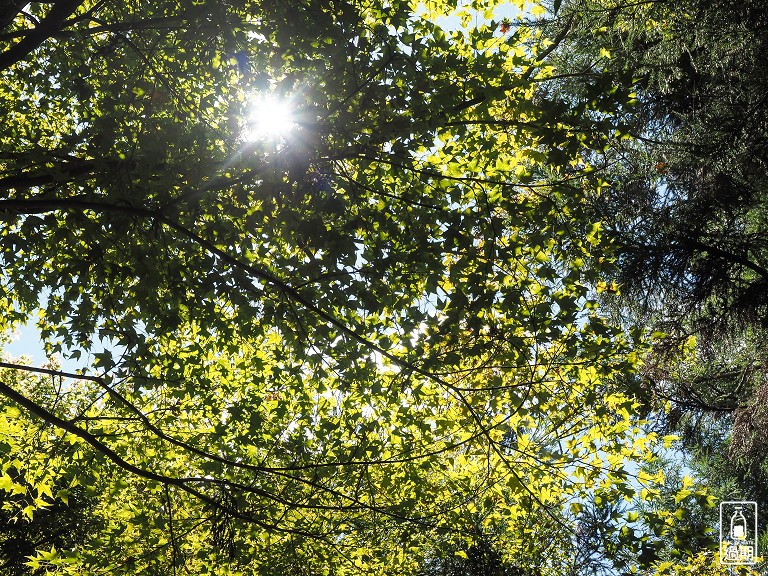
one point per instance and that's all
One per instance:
(160, 23)
(182, 483)
(725, 255)
(11, 9)
(66, 174)
(43, 205)
(356, 503)
(48, 27)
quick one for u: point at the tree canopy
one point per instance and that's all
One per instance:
(371, 343)
(686, 209)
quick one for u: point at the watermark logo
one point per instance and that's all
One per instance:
(738, 533)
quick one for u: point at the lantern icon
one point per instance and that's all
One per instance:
(738, 537)
(738, 525)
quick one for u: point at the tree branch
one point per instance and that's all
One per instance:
(43, 205)
(48, 27)
(66, 173)
(10, 11)
(725, 255)
(283, 472)
(182, 483)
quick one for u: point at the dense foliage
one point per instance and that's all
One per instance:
(372, 343)
(686, 209)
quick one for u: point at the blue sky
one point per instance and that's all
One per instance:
(26, 342)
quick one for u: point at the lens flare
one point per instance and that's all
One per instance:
(270, 118)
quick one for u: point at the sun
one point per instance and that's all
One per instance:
(270, 118)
